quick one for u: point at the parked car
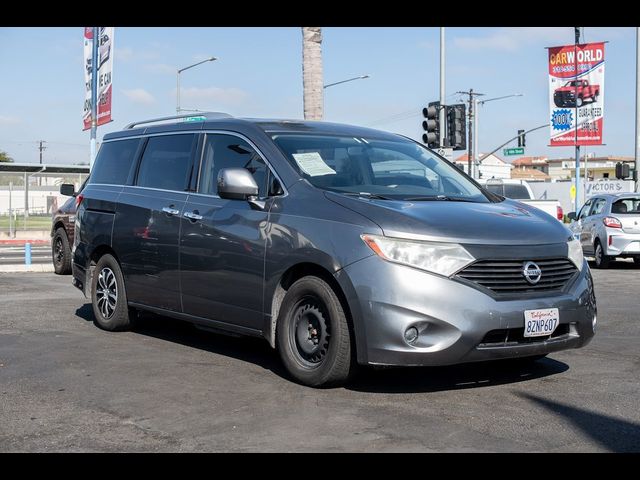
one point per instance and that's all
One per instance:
(608, 227)
(521, 190)
(339, 245)
(62, 228)
(574, 93)
(62, 231)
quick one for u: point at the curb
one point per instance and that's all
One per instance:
(37, 267)
(23, 241)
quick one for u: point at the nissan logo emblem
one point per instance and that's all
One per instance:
(531, 272)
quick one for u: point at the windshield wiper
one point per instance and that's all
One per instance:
(375, 196)
(443, 198)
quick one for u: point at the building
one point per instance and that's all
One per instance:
(536, 163)
(597, 167)
(490, 166)
(529, 174)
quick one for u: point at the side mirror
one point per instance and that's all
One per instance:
(236, 184)
(68, 189)
(571, 216)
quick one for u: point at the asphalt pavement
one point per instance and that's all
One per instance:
(66, 386)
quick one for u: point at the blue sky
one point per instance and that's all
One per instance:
(259, 74)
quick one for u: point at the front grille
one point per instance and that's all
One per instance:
(515, 336)
(506, 277)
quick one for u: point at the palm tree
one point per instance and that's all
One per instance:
(312, 73)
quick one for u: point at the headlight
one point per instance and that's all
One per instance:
(441, 258)
(575, 253)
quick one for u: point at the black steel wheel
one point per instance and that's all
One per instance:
(313, 336)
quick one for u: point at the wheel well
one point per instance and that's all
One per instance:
(100, 251)
(295, 273)
(59, 225)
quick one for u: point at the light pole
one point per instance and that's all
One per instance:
(476, 159)
(345, 81)
(210, 59)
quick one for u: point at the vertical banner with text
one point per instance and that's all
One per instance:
(576, 80)
(105, 68)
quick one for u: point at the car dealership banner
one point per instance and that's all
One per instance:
(576, 81)
(105, 68)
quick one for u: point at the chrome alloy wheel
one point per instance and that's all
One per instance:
(107, 292)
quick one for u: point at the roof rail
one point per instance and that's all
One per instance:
(207, 115)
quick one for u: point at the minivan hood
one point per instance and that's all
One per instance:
(508, 222)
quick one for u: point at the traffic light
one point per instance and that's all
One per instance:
(431, 125)
(521, 139)
(456, 127)
(622, 170)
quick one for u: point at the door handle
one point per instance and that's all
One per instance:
(193, 215)
(170, 210)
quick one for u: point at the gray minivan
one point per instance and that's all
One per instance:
(339, 245)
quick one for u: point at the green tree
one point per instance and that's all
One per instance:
(4, 157)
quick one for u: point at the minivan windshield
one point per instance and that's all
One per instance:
(375, 168)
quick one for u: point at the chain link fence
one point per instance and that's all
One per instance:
(28, 202)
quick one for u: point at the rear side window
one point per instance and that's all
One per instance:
(166, 162)
(114, 162)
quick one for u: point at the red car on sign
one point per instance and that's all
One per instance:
(575, 92)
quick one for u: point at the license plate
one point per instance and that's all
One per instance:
(540, 323)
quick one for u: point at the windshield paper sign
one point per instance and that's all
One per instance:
(105, 68)
(576, 98)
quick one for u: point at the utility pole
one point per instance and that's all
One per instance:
(575, 63)
(637, 169)
(442, 89)
(42, 148)
(470, 145)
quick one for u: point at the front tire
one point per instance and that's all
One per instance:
(602, 260)
(109, 297)
(579, 102)
(61, 252)
(636, 261)
(313, 335)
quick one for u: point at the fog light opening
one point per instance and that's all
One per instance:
(411, 335)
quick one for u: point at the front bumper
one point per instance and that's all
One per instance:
(622, 243)
(454, 319)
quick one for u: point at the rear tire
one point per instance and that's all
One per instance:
(61, 252)
(313, 335)
(602, 260)
(109, 297)
(636, 261)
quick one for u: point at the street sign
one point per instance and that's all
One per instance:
(445, 152)
(513, 151)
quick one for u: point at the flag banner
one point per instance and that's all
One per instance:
(105, 74)
(576, 94)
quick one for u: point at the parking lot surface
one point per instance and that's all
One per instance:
(65, 385)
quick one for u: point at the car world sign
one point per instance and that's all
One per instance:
(576, 94)
(105, 69)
